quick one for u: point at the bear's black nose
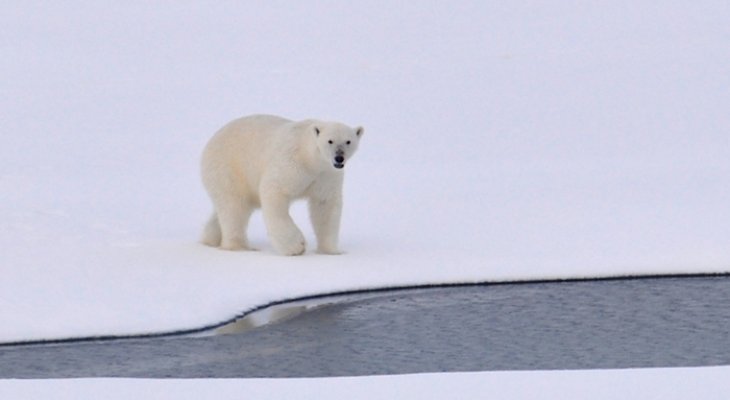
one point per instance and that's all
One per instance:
(339, 159)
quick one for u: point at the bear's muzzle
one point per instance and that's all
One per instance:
(339, 161)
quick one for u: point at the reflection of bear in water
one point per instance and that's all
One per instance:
(268, 162)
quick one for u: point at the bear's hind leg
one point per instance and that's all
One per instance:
(233, 215)
(212, 232)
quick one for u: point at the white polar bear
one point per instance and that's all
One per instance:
(267, 161)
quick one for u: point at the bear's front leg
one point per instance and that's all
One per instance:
(286, 238)
(325, 214)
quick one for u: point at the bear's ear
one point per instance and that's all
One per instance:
(359, 131)
(316, 130)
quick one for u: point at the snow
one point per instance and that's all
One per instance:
(666, 384)
(504, 141)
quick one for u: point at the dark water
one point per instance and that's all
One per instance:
(571, 325)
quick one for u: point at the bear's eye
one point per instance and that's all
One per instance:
(329, 141)
(347, 143)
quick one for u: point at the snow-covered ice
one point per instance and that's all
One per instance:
(505, 140)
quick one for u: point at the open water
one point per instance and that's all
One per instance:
(653, 322)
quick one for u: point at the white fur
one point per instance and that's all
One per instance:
(267, 161)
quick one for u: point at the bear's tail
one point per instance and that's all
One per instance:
(212, 232)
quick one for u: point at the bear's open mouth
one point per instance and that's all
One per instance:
(339, 165)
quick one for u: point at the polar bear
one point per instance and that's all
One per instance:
(268, 162)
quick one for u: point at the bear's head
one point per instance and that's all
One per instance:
(337, 142)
